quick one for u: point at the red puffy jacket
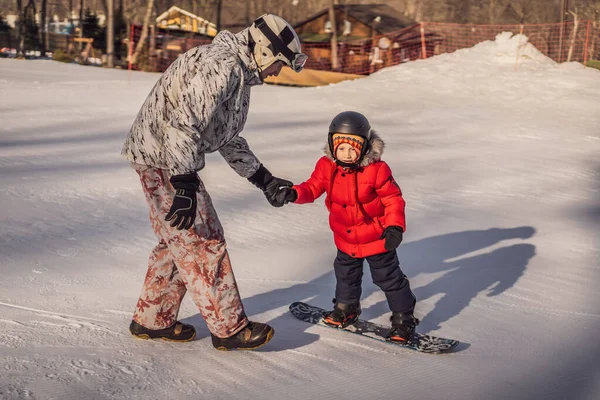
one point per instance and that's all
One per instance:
(361, 203)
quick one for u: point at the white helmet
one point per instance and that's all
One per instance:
(274, 39)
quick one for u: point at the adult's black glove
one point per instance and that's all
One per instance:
(285, 195)
(392, 236)
(277, 191)
(183, 210)
(282, 196)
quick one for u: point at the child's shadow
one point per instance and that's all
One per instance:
(465, 278)
(493, 271)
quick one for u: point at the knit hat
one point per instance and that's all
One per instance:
(353, 140)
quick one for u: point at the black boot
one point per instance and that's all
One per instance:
(254, 335)
(403, 327)
(178, 332)
(342, 315)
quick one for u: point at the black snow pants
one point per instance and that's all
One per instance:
(386, 273)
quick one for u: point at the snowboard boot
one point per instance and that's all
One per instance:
(403, 327)
(342, 315)
(178, 332)
(254, 335)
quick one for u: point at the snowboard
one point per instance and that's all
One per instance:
(423, 343)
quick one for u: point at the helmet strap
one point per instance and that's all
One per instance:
(252, 47)
(354, 165)
(365, 150)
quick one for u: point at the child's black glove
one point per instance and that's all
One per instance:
(392, 236)
(277, 191)
(183, 210)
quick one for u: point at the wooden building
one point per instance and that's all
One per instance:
(353, 22)
(177, 19)
(369, 37)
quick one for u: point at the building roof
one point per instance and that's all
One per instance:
(208, 27)
(391, 19)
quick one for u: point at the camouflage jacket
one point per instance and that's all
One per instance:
(199, 105)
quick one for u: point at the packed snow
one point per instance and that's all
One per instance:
(496, 149)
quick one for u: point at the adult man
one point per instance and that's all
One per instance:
(198, 106)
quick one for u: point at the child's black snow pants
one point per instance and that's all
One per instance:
(386, 273)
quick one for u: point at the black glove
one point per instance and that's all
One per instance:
(277, 191)
(392, 236)
(183, 211)
(286, 195)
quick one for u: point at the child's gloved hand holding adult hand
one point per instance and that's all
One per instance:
(393, 237)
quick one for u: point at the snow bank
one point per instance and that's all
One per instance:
(507, 48)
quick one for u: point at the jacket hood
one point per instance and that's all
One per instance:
(238, 44)
(376, 145)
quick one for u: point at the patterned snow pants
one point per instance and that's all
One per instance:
(194, 260)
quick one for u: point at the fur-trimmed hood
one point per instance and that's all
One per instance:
(376, 146)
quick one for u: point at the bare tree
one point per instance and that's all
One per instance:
(259, 7)
(524, 9)
(491, 11)
(20, 27)
(247, 13)
(219, 5)
(71, 15)
(110, 34)
(418, 10)
(414, 9)
(334, 55)
(140, 44)
(81, 15)
(43, 28)
(27, 13)
(573, 33)
(592, 12)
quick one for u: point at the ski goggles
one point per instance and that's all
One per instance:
(298, 62)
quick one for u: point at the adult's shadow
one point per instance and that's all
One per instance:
(290, 332)
(466, 276)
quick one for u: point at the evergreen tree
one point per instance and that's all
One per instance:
(92, 29)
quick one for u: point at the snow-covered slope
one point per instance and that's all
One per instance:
(495, 148)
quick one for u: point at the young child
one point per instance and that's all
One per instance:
(367, 219)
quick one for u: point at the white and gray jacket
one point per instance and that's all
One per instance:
(199, 105)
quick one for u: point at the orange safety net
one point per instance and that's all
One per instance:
(559, 41)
